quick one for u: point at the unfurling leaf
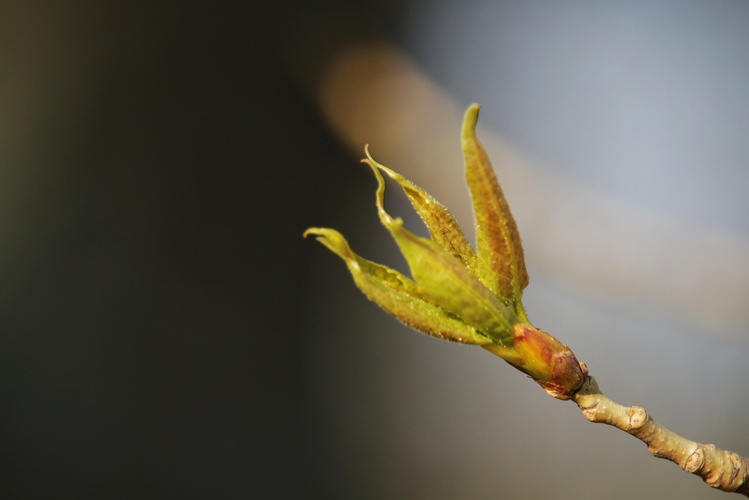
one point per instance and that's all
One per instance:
(398, 295)
(500, 253)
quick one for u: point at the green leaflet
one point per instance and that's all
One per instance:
(397, 295)
(500, 255)
(445, 280)
(441, 224)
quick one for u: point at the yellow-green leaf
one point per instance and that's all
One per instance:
(442, 226)
(443, 279)
(500, 253)
(397, 295)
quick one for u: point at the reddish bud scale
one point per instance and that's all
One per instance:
(543, 358)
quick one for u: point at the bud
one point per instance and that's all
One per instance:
(458, 293)
(543, 358)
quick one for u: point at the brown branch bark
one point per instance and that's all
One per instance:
(721, 469)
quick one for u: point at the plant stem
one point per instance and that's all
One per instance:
(720, 469)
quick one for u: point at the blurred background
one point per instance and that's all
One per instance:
(166, 332)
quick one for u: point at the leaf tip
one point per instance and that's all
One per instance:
(470, 120)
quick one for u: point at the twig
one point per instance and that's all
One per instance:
(721, 469)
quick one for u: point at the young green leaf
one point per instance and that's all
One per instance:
(500, 254)
(397, 295)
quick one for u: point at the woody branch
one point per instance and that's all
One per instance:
(720, 469)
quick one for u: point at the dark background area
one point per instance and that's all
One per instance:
(160, 162)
